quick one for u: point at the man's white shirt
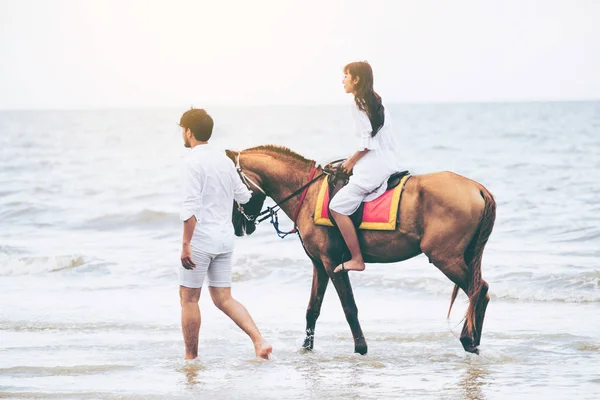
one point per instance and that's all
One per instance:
(210, 184)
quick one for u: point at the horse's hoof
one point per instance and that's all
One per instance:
(474, 350)
(468, 345)
(308, 344)
(361, 349)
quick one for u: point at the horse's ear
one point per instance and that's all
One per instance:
(231, 154)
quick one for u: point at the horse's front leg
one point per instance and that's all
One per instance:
(319, 285)
(344, 289)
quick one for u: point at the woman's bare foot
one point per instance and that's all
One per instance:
(352, 265)
(263, 349)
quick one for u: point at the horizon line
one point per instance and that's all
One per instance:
(330, 104)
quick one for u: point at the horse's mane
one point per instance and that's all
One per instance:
(279, 150)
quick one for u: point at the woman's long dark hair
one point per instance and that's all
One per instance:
(366, 98)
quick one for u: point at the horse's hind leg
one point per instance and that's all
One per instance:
(457, 271)
(455, 268)
(319, 285)
(484, 300)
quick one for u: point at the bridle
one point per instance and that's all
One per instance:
(245, 178)
(271, 212)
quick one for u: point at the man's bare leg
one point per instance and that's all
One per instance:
(348, 231)
(190, 320)
(221, 296)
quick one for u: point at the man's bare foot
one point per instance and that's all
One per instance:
(263, 350)
(190, 357)
(352, 265)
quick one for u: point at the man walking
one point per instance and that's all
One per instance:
(210, 184)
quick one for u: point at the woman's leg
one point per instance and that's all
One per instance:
(342, 205)
(348, 231)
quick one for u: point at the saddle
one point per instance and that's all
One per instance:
(379, 214)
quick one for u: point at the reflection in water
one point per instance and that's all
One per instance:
(312, 372)
(339, 376)
(191, 369)
(472, 382)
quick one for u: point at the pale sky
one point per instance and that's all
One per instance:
(88, 54)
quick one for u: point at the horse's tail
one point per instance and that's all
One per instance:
(473, 257)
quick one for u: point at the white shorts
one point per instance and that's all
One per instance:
(348, 199)
(217, 266)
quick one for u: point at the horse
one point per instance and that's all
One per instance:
(444, 215)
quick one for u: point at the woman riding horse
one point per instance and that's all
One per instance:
(376, 158)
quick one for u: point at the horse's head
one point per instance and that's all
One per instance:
(252, 208)
(275, 170)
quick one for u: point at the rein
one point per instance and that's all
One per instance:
(271, 212)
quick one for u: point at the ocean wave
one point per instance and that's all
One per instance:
(411, 338)
(41, 326)
(247, 274)
(586, 346)
(592, 236)
(8, 250)
(78, 395)
(38, 371)
(415, 284)
(582, 287)
(541, 296)
(18, 209)
(11, 266)
(145, 219)
(533, 338)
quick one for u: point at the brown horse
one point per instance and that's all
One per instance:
(447, 217)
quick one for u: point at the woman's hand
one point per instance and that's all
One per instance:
(347, 166)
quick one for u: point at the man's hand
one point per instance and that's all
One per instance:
(186, 253)
(186, 257)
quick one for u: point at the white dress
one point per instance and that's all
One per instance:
(371, 172)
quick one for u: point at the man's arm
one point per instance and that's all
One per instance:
(192, 194)
(186, 252)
